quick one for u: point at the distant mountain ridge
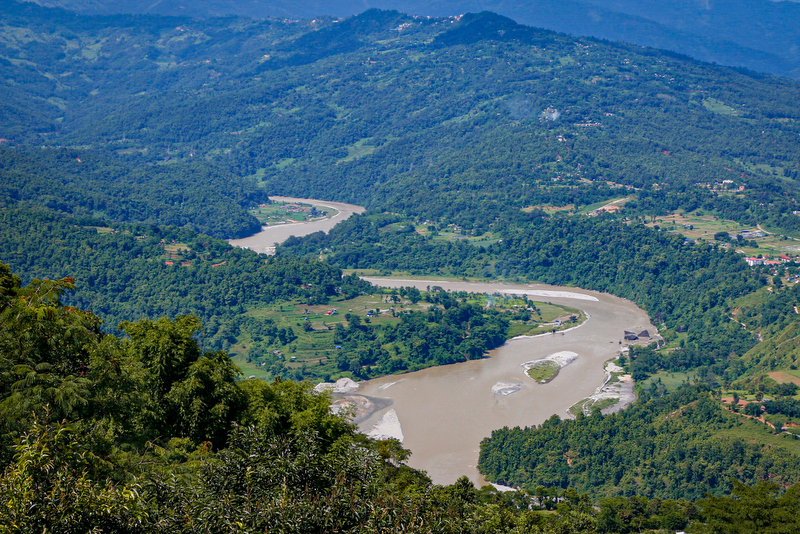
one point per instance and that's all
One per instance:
(367, 108)
(760, 35)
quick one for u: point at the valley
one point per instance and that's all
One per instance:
(366, 274)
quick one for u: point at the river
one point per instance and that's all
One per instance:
(270, 236)
(445, 412)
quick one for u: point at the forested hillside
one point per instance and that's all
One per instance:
(666, 447)
(122, 273)
(83, 184)
(485, 150)
(484, 113)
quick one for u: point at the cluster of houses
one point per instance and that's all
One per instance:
(291, 208)
(766, 261)
(721, 186)
(751, 234)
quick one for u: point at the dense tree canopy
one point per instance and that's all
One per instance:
(193, 195)
(384, 109)
(660, 447)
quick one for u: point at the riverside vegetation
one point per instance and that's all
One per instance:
(503, 124)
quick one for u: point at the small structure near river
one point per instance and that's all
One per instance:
(633, 336)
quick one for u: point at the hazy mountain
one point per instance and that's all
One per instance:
(756, 34)
(761, 24)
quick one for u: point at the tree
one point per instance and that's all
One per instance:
(204, 405)
(166, 348)
(750, 509)
(47, 488)
(45, 350)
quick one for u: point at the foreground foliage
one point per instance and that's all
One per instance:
(147, 433)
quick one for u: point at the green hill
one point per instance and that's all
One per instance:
(759, 35)
(383, 108)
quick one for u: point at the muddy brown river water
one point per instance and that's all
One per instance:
(444, 412)
(269, 236)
